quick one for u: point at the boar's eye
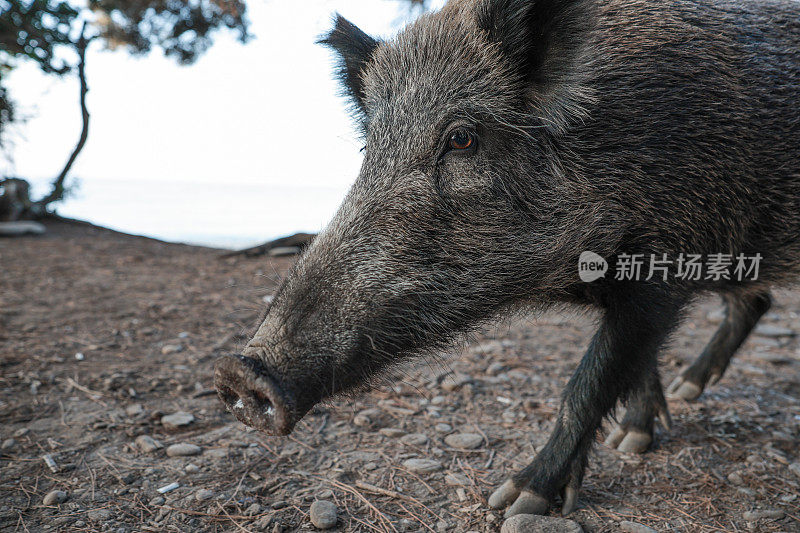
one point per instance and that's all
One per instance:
(461, 139)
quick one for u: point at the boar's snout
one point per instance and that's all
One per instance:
(256, 399)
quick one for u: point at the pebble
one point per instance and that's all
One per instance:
(8, 444)
(98, 515)
(147, 444)
(169, 349)
(323, 514)
(55, 497)
(795, 468)
(325, 494)
(253, 510)
(422, 466)
(444, 428)
(134, 409)
(365, 418)
(769, 330)
(392, 433)
(529, 523)
(465, 441)
(495, 368)
(203, 494)
(772, 514)
(735, 478)
(455, 381)
(176, 420)
(158, 500)
(21, 432)
(191, 468)
(414, 439)
(633, 527)
(456, 480)
(183, 449)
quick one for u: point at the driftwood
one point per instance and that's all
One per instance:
(293, 244)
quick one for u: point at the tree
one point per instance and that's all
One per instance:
(42, 31)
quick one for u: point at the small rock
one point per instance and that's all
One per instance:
(795, 469)
(203, 494)
(176, 420)
(323, 514)
(98, 515)
(8, 444)
(169, 349)
(253, 510)
(147, 444)
(444, 428)
(183, 449)
(158, 500)
(366, 417)
(442, 526)
(495, 368)
(55, 497)
(325, 494)
(279, 505)
(422, 466)
(456, 480)
(735, 478)
(465, 441)
(414, 439)
(529, 523)
(455, 381)
(769, 330)
(191, 468)
(771, 514)
(134, 409)
(633, 527)
(392, 433)
(21, 432)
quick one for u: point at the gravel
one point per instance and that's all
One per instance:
(528, 523)
(55, 497)
(203, 495)
(147, 444)
(467, 441)
(177, 420)
(422, 466)
(183, 449)
(323, 514)
(414, 439)
(634, 527)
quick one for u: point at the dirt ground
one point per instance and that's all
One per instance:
(102, 334)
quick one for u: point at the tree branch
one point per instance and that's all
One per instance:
(57, 193)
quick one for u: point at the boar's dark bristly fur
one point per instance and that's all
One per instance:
(504, 138)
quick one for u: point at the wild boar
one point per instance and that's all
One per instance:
(503, 139)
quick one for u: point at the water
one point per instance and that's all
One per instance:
(223, 215)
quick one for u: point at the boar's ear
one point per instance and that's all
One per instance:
(355, 49)
(545, 41)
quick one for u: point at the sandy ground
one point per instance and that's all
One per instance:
(102, 334)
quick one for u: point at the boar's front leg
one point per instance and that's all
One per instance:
(635, 324)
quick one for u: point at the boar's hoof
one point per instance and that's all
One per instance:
(504, 495)
(684, 389)
(629, 440)
(253, 397)
(528, 503)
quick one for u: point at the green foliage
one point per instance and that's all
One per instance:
(183, 29)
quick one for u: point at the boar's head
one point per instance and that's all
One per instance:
(462, 209)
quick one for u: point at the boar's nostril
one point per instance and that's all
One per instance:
(252, 395)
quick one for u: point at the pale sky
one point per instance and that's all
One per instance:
(248, 117)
